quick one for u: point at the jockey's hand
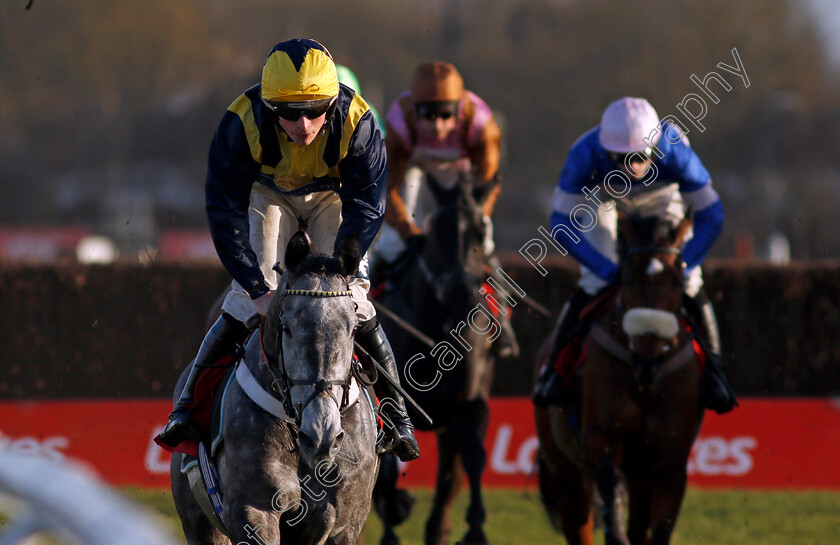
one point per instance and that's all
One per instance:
(415, 244)
(263, 302)
(489, 244)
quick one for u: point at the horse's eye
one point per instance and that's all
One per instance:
(286, 330)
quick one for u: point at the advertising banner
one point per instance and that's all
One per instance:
(765, 444)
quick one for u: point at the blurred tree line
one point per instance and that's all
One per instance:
(107, 108)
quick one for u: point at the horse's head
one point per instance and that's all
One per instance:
(453, 256)
(651, 262)
(312, 322)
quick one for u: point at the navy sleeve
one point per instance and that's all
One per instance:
(231, 172)
(364, 181)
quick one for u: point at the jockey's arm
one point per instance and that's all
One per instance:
(573, 241)
(484, 158)
(231, 171)
(695, 185)
(364, 172)
(708, 219)
(396, 214)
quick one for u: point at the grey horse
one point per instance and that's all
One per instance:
(306, 479)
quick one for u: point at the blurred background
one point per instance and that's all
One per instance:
(107, 108)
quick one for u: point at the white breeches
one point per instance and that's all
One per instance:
(273, 219)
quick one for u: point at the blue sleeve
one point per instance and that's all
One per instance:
(578, 172)
(582, 250)
(683, 166)
(708, 223)
(230, 174)
(364, 181)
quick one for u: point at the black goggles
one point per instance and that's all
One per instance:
(431, 111)
(292, 111)
(638, 156)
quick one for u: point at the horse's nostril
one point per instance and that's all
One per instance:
(305, 441)
(338, 440)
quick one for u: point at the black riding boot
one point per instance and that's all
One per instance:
(715, 392)
(399, 433)
(221, 340)
(550, 388)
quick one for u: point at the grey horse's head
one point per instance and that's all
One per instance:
(316, 318)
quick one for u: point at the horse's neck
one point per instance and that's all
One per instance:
(258, 365)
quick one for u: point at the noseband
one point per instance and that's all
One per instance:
(664, 365)
(320, 386)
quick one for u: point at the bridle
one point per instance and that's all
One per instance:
(319, 386)
(664, 366)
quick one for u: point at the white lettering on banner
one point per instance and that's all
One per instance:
(50, 448)
(710, 456)
(525, 456)
(718, 456)
(157, 459)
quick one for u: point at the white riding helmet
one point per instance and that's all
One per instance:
(625, 125)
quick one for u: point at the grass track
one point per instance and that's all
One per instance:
(708, 518)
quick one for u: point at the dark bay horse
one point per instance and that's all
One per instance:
(439, 294)
(305, 476)
(639, 412)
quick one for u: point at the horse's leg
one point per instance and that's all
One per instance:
(565, 490)
(471, 428)
(247, 524)
(638, 500)
(667, 492)
(198, 530)
(449, 477)
(608, 480)
(392, 505)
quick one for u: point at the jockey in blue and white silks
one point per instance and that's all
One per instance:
(635, 163)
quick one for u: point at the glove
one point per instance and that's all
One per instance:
(489, 244)
(415, 244)
(263, 302)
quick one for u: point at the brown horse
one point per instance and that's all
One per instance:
(639, 412)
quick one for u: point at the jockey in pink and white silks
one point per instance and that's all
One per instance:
(633, 162)
(441, 133)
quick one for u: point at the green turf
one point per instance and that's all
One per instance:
(708, 518)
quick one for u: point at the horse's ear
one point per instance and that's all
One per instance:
(683, 228)
(350, 254)
(298, 248)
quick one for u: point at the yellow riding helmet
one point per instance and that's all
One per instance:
(299, 70)
(437, 82)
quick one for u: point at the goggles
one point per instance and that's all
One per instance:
(431, 111)
(292, 111)
(639, 156)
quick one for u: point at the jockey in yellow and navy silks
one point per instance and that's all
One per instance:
(634, 162)
(298, 150)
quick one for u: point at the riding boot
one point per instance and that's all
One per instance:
(399, 432)
(715, 392)
(550, 388)
(221, 340)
